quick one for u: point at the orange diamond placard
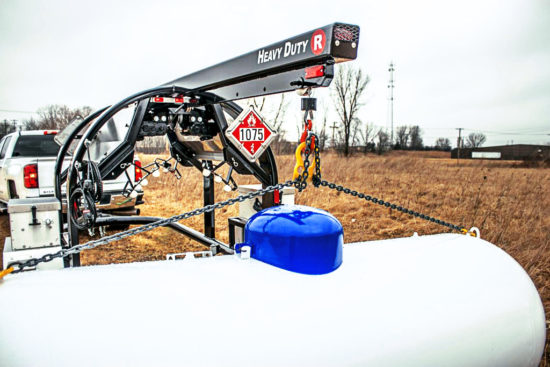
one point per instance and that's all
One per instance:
(250, 133)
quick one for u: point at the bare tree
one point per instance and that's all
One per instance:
(356, 132)
(475, 140)
(59, 116)
(443, 144)
(274, 112)
(383, 140)
(339, 141)
(31, 124)
(153, 145)
(349, 85)
(322, 133)
(415, 136)
(7, 127)
(258, 103)
(402, 137)
(367, 134)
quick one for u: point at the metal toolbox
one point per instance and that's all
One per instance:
(34, 223)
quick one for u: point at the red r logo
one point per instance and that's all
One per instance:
(318, 40)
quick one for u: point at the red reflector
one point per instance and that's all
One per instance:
(178, 100)
(30, 176)
(138, 174)
(158, 99)
(276, 197)
(315, 71)
(50, 132)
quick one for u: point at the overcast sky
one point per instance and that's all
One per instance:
(480, 65)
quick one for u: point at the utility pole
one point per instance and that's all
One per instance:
(390, 98)
(459, 143)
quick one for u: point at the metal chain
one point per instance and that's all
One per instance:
(387, 204)
(300, 183)
(317, 181)
(20, 265)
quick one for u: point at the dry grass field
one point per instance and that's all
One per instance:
(508, 202)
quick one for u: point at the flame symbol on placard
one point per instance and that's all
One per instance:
(251, 120)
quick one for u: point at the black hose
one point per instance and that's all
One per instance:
(83, 210)
(97, 184)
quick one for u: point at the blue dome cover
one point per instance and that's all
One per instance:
(297, 238)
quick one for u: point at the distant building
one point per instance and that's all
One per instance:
(505, 152)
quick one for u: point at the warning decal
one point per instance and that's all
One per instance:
(250, 133)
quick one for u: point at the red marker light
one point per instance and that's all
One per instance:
(277, 197)
(30, 176)
(178, 99)
(138, 173)
(158, 99)
(315, 72)
(50, 132)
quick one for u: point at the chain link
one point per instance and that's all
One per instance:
(20, 265)
(316, 179)
(300, 183)
(387, 204)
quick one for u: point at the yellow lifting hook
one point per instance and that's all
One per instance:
(299, 167)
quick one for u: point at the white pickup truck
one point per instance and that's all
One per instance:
(27, 161)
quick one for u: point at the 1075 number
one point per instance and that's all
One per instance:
(251, 134)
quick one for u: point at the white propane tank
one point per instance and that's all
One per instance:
(439, 300)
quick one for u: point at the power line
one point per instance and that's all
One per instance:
(17, 111)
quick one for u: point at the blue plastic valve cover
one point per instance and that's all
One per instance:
(297, 238)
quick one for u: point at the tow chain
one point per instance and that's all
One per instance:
(317, 181)
(19, 266)
(300, 183)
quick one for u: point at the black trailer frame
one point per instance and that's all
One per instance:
(303, 61)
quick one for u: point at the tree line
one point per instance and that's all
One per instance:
(51, 117)
(349, 86)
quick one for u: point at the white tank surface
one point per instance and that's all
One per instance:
(439, 300)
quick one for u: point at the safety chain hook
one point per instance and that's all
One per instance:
(309, 142)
